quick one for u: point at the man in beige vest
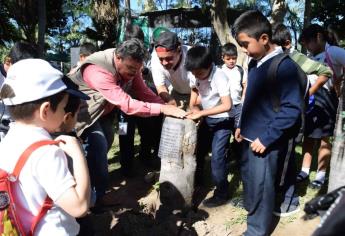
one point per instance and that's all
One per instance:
(111, 78)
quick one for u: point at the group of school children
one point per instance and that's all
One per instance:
(43, 102)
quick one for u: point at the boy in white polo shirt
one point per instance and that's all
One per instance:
(212, 86)
(36, 97)
(237, 78)
(238, 81)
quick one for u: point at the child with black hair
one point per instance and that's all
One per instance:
(321, 123)
(238, 80)
(318, 75)
(69, 122)
(213, 88)
(86, 49)
(45, 173)
(267, 135)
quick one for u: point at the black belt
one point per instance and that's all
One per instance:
(181, 94)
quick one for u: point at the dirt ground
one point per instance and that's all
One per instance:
(134, 201)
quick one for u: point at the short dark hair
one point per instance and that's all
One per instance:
(198, 57)
(280, 34)
(229, 49)
(7, 59)
(26, 110)
(253, 23)
(132, 48)
(86, 49)
(23, 50)
(134, 31)
(310, 33)
(73, 104)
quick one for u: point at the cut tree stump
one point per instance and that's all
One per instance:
(178, 164)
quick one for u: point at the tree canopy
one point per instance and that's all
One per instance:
(68, 23)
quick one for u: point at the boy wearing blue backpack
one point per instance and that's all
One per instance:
(267, 134)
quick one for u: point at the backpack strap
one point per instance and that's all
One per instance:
(240, 69)
(271, 75)
(48, 203)
(26, 154)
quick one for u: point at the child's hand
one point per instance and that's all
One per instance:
(195, 115)
(238, 135)
(70, 146)
(257, 146)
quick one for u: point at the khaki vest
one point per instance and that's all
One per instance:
(91, 110)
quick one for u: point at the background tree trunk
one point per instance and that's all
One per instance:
(307, 13)
(42, 21)
(306, 19)
(223, 29)
(128, 16)
(337, 167)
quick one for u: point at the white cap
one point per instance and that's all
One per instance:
(33, 79)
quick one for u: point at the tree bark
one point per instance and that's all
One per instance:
(42, 22)
(128, 16)
(337, 166)
(178, 164)
(222, 28)
(306, 19)
(307, 13)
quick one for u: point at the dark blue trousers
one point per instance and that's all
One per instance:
(149, 129)
(261, 174)
(215, 133)
(98, 139)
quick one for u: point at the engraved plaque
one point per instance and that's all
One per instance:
(170, 145)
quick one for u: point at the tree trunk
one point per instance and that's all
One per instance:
(307, 13)
(178, 164)
(278, 11)
(222, 28)
(337, 168)
(128, 16)
(42, 21)
(306, 19)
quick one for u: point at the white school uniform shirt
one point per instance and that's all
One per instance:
(277, 50)
(337, 56)
(236, 87)
(45, 172)
(211, 89)
(178, 79)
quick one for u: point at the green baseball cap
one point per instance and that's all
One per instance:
(157, 32)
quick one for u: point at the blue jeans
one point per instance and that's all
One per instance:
(215, 132)
(98, 139)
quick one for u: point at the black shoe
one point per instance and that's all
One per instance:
(237, 202)
(316, 184)
(301, 177)
(214, 201)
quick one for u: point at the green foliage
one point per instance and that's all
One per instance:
(72, 33)
(330, 13)
(3, 53)
(8, 32)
